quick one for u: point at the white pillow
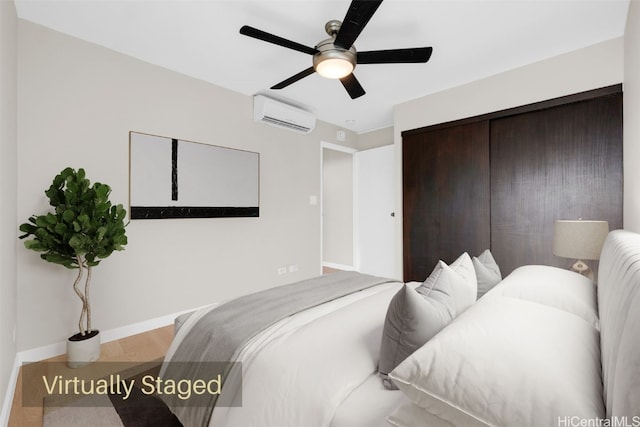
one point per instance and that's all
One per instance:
(555, 287)
(464, 296)
(411, 415)
(414, 316)
(507, 361)
(487, 272)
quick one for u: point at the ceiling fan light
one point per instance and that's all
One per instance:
(334, 68)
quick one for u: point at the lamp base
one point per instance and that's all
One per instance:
(581, 267)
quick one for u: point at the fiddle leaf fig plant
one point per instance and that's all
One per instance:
(83, 229)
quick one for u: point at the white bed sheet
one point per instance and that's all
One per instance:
(317, 367)
(368, 405)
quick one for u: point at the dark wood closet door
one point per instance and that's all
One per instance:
(445, 196)
(559, 163)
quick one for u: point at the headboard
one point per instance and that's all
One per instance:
(619, 307)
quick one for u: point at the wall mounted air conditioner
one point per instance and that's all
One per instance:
(276, 113)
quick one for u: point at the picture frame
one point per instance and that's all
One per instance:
(175, 178)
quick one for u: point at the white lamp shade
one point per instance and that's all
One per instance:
(579, 239)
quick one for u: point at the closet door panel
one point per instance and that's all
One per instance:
(560, 163)
(445, 196)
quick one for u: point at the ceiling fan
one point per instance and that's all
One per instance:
(336, 57)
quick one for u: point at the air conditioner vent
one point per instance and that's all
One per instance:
(276, 113)
(278, 122)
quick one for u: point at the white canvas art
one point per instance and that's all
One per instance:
(173, 178)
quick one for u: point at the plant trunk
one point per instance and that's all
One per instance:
(86, 298)
(84, 324)
(80, 294)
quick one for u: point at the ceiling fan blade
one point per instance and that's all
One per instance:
(393, 56)
(301, 75)
(268, 37)
(359, 13)
(353, 86)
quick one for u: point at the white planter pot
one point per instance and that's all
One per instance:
(83, 350)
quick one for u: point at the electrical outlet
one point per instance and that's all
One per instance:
(282, 270)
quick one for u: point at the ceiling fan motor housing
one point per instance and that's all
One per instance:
(327, 50)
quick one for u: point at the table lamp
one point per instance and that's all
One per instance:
(579, 240)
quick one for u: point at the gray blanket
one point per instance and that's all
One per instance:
(220, 335)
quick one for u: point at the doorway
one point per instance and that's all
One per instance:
(338, 207)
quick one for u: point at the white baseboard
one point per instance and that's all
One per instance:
(11, 391)
(338, 266)
(41, 353)
(52, 350)
(140, 327)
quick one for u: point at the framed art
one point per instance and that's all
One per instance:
(174, 178)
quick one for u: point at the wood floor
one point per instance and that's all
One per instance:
(329, 270)
(145, 347)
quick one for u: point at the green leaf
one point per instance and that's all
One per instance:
(72, 186)
(103, 207)
(102, 231)
(68, 216)
(41, 221)
(34, 245)
(79, 243)
(84, 222)
(27, 228)
(102, 191)
(60, 228)
(66, 261)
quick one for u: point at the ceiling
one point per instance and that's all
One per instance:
(471, 39)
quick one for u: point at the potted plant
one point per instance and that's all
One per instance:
(83, 228)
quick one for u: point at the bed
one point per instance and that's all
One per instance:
(315, 367)
(313, 353)
(544, 346)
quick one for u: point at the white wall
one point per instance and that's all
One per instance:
(375, 138)
(631, 122)
(337, 207)
(77, 103)
(8, 231)
(585, 69)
